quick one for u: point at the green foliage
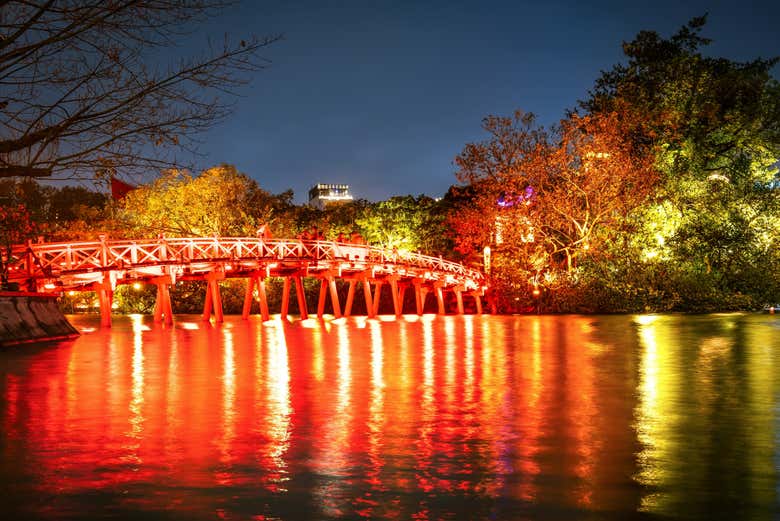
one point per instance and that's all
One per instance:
(219, 201)
(406, 223)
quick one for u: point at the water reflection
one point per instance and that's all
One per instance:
(706, 416)
(440, 417)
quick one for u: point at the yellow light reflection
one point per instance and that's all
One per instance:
(136, 419)
(654, 409)
(468, 360)
(332, 460)
(317, 355)
(376, 419)
(228, 405)
(277, 426)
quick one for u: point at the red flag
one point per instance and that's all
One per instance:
(119, 189)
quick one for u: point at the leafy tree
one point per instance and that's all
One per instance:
(406, 223)
(66, 213)
(15, 227)
(714, 123)
(82, 96)
(544, 199)
(219, 201)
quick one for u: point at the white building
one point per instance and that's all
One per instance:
(322, 194)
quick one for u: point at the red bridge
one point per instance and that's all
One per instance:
(102, 265)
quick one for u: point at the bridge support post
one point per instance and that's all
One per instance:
(350, 298)
(321, 300)
(369, 300)
(478, 301)
(334, 297)
(260, 283)
(325, 285)
(375, 299)
(301, 297)
(423, 296)
(213, 297)
(401, 295)
(105, 298)
(256, 280)
(285, 298)
(440, 298)
(250, 287)
(418, 301)
(162, 304)
(459, 298)
(394, 293)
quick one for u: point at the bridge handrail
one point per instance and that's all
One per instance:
(119, 253)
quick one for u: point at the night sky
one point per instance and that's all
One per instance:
(383, 95)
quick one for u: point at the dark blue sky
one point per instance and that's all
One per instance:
(383, 95)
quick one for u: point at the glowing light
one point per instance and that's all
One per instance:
(137, 286)
(188, 325)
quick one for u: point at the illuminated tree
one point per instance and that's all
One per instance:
(406, 223)
(588, 184)
(85, 92)
(543, 200)
(492, 209)
(219, 201)
(714, 124)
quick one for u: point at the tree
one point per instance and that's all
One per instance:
(538, 196)
(82, 96)
(219, 201)
(714, 125)
(65, 213)
(589, 183)
(15, 227)
(406, 223)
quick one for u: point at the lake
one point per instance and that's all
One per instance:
(433, 417)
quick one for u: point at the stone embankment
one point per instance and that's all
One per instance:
(32, 317)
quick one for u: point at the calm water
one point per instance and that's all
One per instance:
(620, 417)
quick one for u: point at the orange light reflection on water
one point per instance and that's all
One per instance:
(391, 419)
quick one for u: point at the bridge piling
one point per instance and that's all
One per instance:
(329, 285)
(213, 297)
(285, 298)
(375, 299)
(369, 300)
(423, 296)
(321, 300)
(394, 293)
(301, 295)
(334, 297)
(440, 299)
(459, 299)
(105, 299)
(255, 281)
(248, 298)
(162, 304)
(418, 302)
(263, 299)
(350, 298)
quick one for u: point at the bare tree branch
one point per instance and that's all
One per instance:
(82, 93)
